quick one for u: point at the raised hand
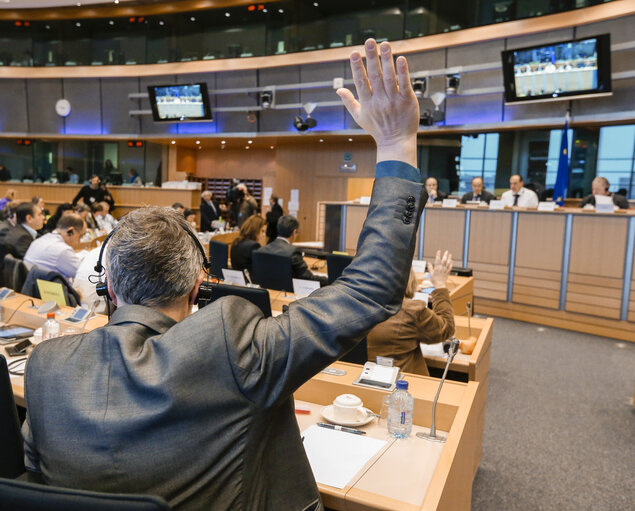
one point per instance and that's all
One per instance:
(387, 107)
(440, 271)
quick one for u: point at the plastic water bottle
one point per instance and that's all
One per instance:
(400, 410)
(51, 328)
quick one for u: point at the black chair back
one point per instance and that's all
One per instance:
(14, 273)
(26, 496)
(30, 287)
(272, 271)
(218, 255)
(358, 355)
(462, 272)
(336, 264)
(11, 449)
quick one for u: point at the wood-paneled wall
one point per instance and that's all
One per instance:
(310, 167)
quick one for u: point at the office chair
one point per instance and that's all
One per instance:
(335, 264)
(12, 457)
(30, 287)
(14, 272)
(461, 272)
(218, 256)
(272, 271)
(18, 495)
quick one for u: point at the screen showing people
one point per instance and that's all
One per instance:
(180, 102)
(554, 69)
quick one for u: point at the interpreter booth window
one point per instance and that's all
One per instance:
(161, 40)
(15, 44)
(478, 158)
(17, 158)
(117, 41)
(433, 17)
(616, 158)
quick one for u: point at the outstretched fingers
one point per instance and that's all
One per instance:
(403, 75)
(360, 78)
(388, 69)
(373, 65)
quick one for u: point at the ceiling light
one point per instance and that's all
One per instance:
(173, 142)
(250, 141)
(350, 139)
(111, 22)
(79, 4)
(198, 142)
(227, 15)
(223, 142)
(78, 24)
(192, 18)
(315, 4)
(321, 140)
(200, 147)
(270, 147)
(116, 1)
(161, 22)
(246, 147)
(264, 10)
(281, 11)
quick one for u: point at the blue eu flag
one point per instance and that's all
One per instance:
(562, 179)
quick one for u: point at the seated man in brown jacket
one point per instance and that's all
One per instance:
(399, 336)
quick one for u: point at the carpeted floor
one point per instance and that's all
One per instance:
(560, 423)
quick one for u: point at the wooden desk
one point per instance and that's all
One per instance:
(29, 317)
(410, 474)
(570, 268)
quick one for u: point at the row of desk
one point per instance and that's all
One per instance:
(411, 474)
(570, 268)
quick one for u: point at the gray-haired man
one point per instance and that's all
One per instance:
(198, 408)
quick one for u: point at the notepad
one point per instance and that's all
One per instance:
(336, 456)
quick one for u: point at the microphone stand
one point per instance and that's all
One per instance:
(432, 436)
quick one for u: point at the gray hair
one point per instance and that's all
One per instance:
(151, 260)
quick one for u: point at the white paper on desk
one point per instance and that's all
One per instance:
(336, 456)
(418, 266)
(303, 288)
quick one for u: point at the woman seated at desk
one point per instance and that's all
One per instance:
(251, 237)
(399, 336)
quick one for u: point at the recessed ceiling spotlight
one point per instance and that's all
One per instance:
(250, 141)
(350, 139)
(111, 22)
(173, 142)
(47, 27)
(78, 24)
(321, 140)
(161, 22)
(198, 142)
(116, 1)
(223, 142)
(270, 147)
(264, 10)
(79, 4)
(281, 11)
(200, 147)
(315, 4)
(192, 18)
(246, 147)
(227, 15)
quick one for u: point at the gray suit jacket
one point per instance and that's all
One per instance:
(201, 411)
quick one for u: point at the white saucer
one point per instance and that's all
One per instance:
(362, 418)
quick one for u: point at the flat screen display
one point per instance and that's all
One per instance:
(568, 69)
(180, 103)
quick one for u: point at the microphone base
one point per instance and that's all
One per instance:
(427, 436)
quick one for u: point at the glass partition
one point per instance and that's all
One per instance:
(270, 28)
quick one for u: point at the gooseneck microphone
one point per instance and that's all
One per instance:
(452, 351)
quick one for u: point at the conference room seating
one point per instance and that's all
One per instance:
(11, 450)
(18, 495)
(14, 272)
(335, 265)
(218, 255)
(272, 271)
(30, 287)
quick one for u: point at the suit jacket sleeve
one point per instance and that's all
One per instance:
(272, 357)
(21, 245)
(299, 268)
(437, 325)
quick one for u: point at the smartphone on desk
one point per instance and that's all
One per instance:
(18, 349)
(13, 333)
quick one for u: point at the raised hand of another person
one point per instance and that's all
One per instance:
(440, 271)
(387, 107)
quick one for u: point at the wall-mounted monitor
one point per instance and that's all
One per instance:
(579, 68)
(180, 103)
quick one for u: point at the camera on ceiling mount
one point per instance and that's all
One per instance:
(266, 99)
(419, 86)
(301, 124)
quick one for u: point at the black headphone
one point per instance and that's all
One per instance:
(101, 286)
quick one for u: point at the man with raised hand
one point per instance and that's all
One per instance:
(198, 408)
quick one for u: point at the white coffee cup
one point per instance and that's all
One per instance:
(347, 408)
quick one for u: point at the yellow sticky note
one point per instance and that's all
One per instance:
(51, 292)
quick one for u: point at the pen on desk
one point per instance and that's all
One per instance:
(341, 428)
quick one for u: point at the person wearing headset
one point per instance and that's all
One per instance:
(198, 408)
(600, 186)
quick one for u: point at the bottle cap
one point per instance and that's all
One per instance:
(50, 315)
(402, 385)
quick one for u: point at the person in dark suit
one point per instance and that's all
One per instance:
(210, 211)
(252, 237)
(399, 336)
(90, 193)
(273, 215)
(478, 192)
(16, 240)
(5, 175)
(600, 186)
(288, 226)
(198, 408)
(432, 187)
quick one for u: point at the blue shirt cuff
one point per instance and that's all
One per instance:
(394, 168)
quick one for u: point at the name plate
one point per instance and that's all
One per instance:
(418, 266)
(605, 208)
(234, 277)
(449, 203)
(496, 204)
(546, 206)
